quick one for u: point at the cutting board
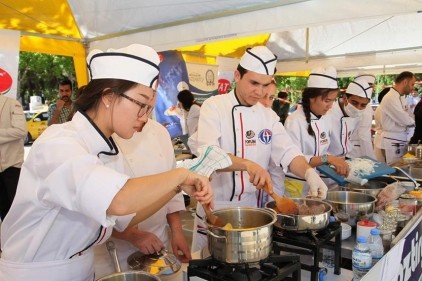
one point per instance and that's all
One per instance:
(380, 169)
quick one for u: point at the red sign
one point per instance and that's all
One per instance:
(5, 81)
(223, 86)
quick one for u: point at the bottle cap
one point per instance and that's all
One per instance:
(332, 219)
(375, 231)
(362, 239)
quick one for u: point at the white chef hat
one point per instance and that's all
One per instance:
(323, 78)
(259, 59)
(137, 63)
(359, 87)
(369, 78)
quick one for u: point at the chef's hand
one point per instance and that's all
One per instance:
(180, 247)
(146, 242)
(340, 164)
(259, 177)
(317, 186)
(198, 186)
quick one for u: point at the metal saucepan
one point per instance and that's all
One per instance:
(247, 240)
(304, 222)
(355, 205)
(161, 263)
(125, 276)
(372, 187)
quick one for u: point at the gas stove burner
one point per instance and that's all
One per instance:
(310, 243)
(274, 268)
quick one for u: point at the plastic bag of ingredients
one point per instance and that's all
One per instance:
(388, 194)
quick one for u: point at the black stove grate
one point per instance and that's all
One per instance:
(310, 243)
(274, 268)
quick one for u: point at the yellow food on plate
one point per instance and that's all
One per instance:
(408, 155)
(416, 193)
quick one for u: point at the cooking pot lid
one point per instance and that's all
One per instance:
(160, 263)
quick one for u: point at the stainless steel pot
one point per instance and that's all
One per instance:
(303, 222)
(355, 205)
(128, 275)
(249, 239)
(372, 187)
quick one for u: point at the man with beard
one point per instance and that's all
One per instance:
(59, 112)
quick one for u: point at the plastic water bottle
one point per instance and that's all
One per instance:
(361, 258)
(375, 245)
(328, 254)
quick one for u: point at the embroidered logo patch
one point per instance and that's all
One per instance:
(265, 136)
(250, 134)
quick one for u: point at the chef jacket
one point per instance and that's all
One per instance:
(148, 152)
(361, 138)
(66, 185)
(392, 122)
(342, 127)
(316, 145)
(250, 132)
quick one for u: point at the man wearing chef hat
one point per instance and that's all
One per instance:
(361, 138)
(252, 135)
(309, 127)
(346, 114)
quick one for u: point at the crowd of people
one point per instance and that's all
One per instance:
(111, 170)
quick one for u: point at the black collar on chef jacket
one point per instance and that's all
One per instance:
(110, 142)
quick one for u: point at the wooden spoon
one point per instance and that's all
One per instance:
(211, 218)
(285, 205)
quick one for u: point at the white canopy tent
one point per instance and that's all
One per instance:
(380, 35)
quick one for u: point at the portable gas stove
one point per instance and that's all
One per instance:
(310, 243)
(274, 268)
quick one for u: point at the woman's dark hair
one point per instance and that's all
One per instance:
(89, 96)
(307, 95)
(186, 98)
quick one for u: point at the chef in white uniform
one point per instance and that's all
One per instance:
(72, 191)
(252, 135)
(393, 121)
(346, 115)
(148, 152)
(361, 138)
(310, 128)
(276, 172)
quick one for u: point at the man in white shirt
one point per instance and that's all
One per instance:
(393, 121)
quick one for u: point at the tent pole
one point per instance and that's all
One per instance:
(307, 45)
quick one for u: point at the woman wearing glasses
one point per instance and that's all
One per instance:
(73, 189)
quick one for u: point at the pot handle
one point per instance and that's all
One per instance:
(113, 254)
(288, 216)
(215, 235)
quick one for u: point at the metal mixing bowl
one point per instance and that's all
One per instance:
(372, 187)
(356, 205)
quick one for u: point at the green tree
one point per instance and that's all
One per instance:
(39, 75)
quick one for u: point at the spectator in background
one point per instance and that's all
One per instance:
(383, 93)
(281, 106)
(59, 112)
(190, 109)
(417, 135)
(412, 100)
(12, 134)
(392, 120)
(361, 138)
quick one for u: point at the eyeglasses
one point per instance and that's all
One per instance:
(143, 108)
